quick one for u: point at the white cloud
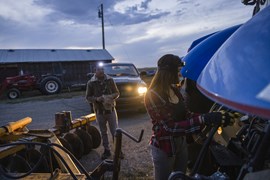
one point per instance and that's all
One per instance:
(154, 27)
(24, 12)
(124, 6)
(175, 32)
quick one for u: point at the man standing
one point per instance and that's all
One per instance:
(101, 92)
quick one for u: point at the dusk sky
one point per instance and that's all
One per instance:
(137, 31)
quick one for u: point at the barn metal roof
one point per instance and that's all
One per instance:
(53, 55)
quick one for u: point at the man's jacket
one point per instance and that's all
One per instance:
(106, 88)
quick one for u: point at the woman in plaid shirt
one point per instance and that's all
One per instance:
(171, 119)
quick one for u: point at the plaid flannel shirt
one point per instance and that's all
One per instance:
(165, 128)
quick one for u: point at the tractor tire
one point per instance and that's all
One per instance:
(13, 93)
(95, 134)
(50, 85)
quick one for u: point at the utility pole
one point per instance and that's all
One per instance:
(100, 15)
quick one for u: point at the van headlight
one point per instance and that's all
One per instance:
(142, 90)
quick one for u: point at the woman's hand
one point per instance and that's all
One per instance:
(220, 118)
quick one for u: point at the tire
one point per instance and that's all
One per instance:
(95, 134)
(50, 85)
(13, 93)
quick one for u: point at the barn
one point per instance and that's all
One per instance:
(69, 65)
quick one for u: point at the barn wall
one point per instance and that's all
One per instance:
(75, 73)
(8, 71)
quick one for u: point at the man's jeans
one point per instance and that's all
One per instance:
(102, 120)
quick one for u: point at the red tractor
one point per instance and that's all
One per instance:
(14, 86)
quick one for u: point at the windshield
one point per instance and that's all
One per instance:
(120, 70)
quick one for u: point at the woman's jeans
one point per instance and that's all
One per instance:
(164, 165)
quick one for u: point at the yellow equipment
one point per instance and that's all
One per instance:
(54, 153)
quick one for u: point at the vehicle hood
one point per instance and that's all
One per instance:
(198, 57)
(238, 76)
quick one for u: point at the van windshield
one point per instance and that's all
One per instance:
(120, 70)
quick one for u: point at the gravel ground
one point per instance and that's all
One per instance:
(137, 163)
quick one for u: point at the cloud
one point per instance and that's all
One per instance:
(134, 12)
(137, 31)
(18, 12)
(82, 11)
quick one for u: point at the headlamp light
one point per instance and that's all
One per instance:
(142, 90)
(100, 64)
